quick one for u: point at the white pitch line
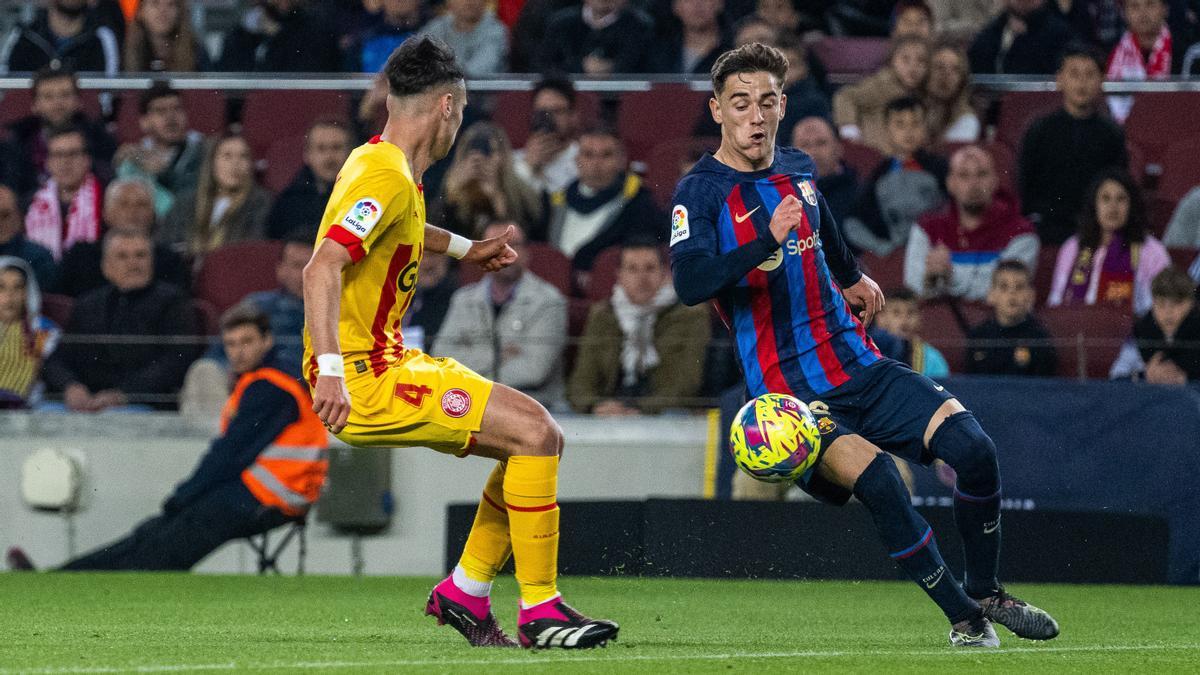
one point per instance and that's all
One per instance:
(541, 658)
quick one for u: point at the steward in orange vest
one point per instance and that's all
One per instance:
(265, 469)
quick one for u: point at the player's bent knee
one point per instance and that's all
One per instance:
(963, 444)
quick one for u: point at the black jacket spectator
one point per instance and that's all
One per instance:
(28, 136)
(1025, 352)
(633, 215)
(28, 48)
(1035, 51)
(529, 31)
(156, 369)
(299, 207)
(840, 191)
(80, 269)
(1183, 349)
(624, 44)
(1060, 155)
(303, 44)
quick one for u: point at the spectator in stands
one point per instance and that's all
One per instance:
(1097, 22)
(1063, 152)
(912, 18)
(436, 283)
(1026, 38)
(642, 350)
(238, 488)
(298, 209)
(1165, 345)
(1013, 341)
(226, 206)
(858, 109)
(56, 103)
(948, 96)
(959, 20)
(482, 187)
(26, 337)
(1184, 229)
(953, 251)
(547, 162)
(905, 185)
(67, 208)
(478, 38)
(529, 31)
(789, 16)
(395, 22)
(694, 40)
(510, 327)
(805, 96)
(161, 39)
(281, 36)
(14, 243)
(169, 155)
(901, 317)
(755, 28)
(601, 37)
(66, 33)
(1147, 50)
(1112, 258)
(607, 206)
(128, 205)
(836, 181)
(94, 375)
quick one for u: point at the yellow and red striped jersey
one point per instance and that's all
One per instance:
(377, 211)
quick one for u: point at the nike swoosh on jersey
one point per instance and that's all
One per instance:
(742, 218)
(938, 387)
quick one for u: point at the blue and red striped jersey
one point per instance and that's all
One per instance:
(793, 330)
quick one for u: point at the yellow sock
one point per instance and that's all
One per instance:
(488, 545)
(531, 495)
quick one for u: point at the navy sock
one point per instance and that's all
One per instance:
(909, 539)
(962, 443)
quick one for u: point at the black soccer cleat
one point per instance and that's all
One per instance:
(480, 632)
(974, 632)
(555, 624)
(18, 561)
(1022, 618)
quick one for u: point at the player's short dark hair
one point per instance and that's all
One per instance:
(54, 71)
(1172, 284)
(246, 314)
(752, 58)
(420, 64)
(160, 89)
(558, 83)
(901, 294)
(903, 104)
(1014, 266)
(1082, 50)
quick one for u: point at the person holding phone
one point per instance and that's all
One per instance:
(547, 162)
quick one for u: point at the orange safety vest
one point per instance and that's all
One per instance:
(289, 473)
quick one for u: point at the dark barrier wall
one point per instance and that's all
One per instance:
(698, 538)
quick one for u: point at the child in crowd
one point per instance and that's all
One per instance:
(901, 316)
(1013, 342)
(1165, 346)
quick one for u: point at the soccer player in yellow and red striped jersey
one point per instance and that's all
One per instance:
(373, 391)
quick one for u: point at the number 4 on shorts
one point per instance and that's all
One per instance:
(413, 394)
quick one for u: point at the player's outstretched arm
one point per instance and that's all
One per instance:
(322, 306)
(489, 254)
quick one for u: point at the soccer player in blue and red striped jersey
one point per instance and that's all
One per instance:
(750, 231)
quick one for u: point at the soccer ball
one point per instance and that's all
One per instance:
(774, 438)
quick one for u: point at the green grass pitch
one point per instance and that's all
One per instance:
(168, 623)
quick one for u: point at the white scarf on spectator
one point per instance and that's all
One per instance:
(638, 354)
(1127, 62)
(44, 222)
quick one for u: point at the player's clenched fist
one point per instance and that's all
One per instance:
(331, 402)
(787, 217)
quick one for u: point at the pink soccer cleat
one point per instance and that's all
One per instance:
(467, 614)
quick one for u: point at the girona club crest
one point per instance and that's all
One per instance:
(456, 403)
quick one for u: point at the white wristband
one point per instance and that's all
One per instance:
(331, 364)
(458, 247)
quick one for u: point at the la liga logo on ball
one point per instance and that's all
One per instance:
(456, 402)
(775, 438)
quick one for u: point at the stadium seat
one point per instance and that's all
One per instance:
(1180, 170)
(269, 115)
(283, 159)
(1159, 121)
(57, 308)
(1087, 338)
(862, 158)
(205, 110)
(888, 272)
(511, 112)
(1182, 258)
(1043, 276)
(666, 112)
(663, 168)
(942, 328)
(208, 318)
(1018, 109)
(229, 273)
(14, 104)
(268, 555)
(851, 55)
(604, 274)
(542, 259)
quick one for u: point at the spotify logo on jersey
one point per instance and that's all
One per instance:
(792, 247)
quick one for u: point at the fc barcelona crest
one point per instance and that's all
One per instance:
(808, 192)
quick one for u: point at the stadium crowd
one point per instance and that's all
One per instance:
(1006, 228)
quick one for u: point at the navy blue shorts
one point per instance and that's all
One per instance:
(888, 404)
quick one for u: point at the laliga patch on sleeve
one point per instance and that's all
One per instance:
(362, 217)
(679, 224)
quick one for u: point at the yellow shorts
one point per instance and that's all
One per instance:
(418, 401)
